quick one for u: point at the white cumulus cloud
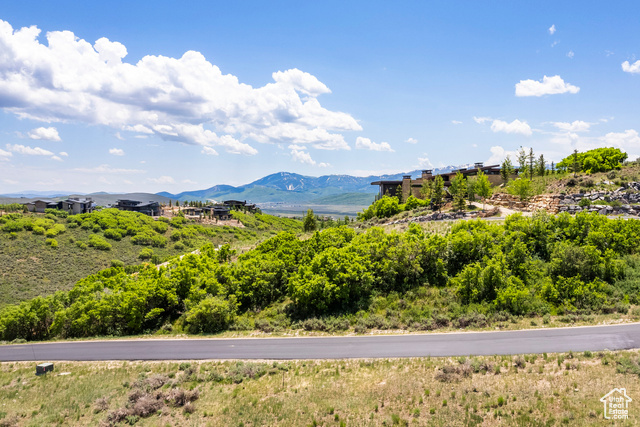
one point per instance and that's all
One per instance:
(631, 68)
(302, 157)
(411, 141)
(4, 155)
(548, 86)
(367, 144)
(481, 120)
(575, 126)
(63, 154)
(498, 154)
(48, 134)
(552, 29)
(186, 99)
(116, 151)
(456, 122)
(209, 151)
(29, 151)
(515, 126)
(629, 139)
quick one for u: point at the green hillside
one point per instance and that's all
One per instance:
(477, 274)
(41, 254)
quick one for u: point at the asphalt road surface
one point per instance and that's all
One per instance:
(593, 338)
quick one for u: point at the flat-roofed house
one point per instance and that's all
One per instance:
(77, 205)
(413, 186)
(40, 205)
(151, 208)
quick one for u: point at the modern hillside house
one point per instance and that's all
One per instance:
(410, 186)
(151, 208)
(40, 205)
(239, 205)
(73, 205)
(76, 205)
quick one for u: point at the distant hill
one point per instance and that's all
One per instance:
(280, 187)
(287, 187)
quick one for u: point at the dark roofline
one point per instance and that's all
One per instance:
(387, 183)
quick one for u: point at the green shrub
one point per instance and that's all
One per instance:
(117, 263)
(55, 230)
(99, 243)
(145, 254)
(52, 242)
(213, 314)
(113, 234)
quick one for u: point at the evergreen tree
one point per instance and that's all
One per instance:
(531, 163)
(541, 166)
(506, 170)
(522, 162)
(399, 193)
(437, 192)
(309, 223)
(575, 166)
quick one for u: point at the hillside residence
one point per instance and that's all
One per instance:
(151, 208)
(40, 205)
(73, 205)
(413, 186)
(240, 205)
(218, 211)
(76, 205)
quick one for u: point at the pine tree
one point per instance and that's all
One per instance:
(309, 223)
(531, 162)
(522, 162)
(506, 170)
(437, 192)
(575, 166)
(399, 193)
(541, 166)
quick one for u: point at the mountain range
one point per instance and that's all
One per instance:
(280, 187)
(287, 187)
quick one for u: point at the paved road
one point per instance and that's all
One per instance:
(592, 338)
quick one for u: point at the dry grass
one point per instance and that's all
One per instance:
(558, 389)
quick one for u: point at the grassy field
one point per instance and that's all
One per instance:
(526, 390)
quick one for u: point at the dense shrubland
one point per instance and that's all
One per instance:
(592, 161)
(43, 253)
(388, 206)
(339, 278)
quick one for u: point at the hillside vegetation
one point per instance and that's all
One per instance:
(41, 254)
(339, 279)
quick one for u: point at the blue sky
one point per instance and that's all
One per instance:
(151, 96)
